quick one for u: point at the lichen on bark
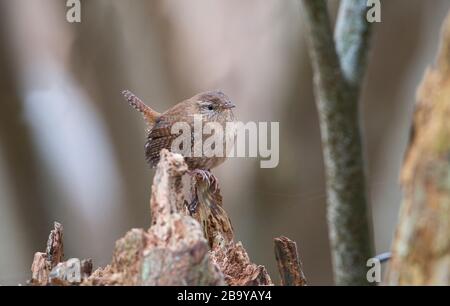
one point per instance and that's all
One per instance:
(421, 248)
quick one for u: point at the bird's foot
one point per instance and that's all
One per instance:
(192, 207)
(206, 176)
(206, 183)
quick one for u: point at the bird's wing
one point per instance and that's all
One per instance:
(160, 137)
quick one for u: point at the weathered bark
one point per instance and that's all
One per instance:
(49, 268)
(176, 250)
(421, 248)
(43, 263)
(339, 66)
(55, 245)
(289, 264)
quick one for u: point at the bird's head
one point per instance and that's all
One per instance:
(215, 106)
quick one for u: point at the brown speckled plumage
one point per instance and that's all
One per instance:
(213, 106)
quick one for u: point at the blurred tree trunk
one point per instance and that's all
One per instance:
(421, 249)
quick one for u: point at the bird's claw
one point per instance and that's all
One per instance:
(204, 176)
(207, 177)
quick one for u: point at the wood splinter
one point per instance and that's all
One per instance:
(49, 268)
(289, 264)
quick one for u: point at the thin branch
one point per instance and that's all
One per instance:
(337, 92)
(289, 264)
(352, 38)
(322, 49)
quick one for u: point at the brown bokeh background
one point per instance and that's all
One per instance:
(72, 150)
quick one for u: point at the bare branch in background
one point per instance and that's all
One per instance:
(352, 37)
(338, 71)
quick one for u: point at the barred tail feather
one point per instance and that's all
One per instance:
(149, 114)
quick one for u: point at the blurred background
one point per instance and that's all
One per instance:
(71, 149)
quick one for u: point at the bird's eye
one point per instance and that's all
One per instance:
(210, 107)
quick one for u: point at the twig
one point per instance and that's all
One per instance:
(352, 38)
(289, 264)
(337, 75)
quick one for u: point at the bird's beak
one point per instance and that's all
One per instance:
(229, 105)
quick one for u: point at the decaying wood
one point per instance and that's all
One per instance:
(210, 213)
(43, 263)
(173, 251)
(231, 258)
(55, 245)
(289, 264)
(70, 272)
(39, 270)
(49, 268)
(234, 262)
(178, 249)
(421, 248)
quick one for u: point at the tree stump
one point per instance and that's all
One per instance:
(178, 249)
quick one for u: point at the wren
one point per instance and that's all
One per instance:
(211, 106)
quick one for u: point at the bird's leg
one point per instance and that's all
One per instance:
(201, 176)
(192, 207)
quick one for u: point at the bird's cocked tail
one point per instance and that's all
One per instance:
(149, 114)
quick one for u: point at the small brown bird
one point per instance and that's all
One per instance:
(212, 106)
